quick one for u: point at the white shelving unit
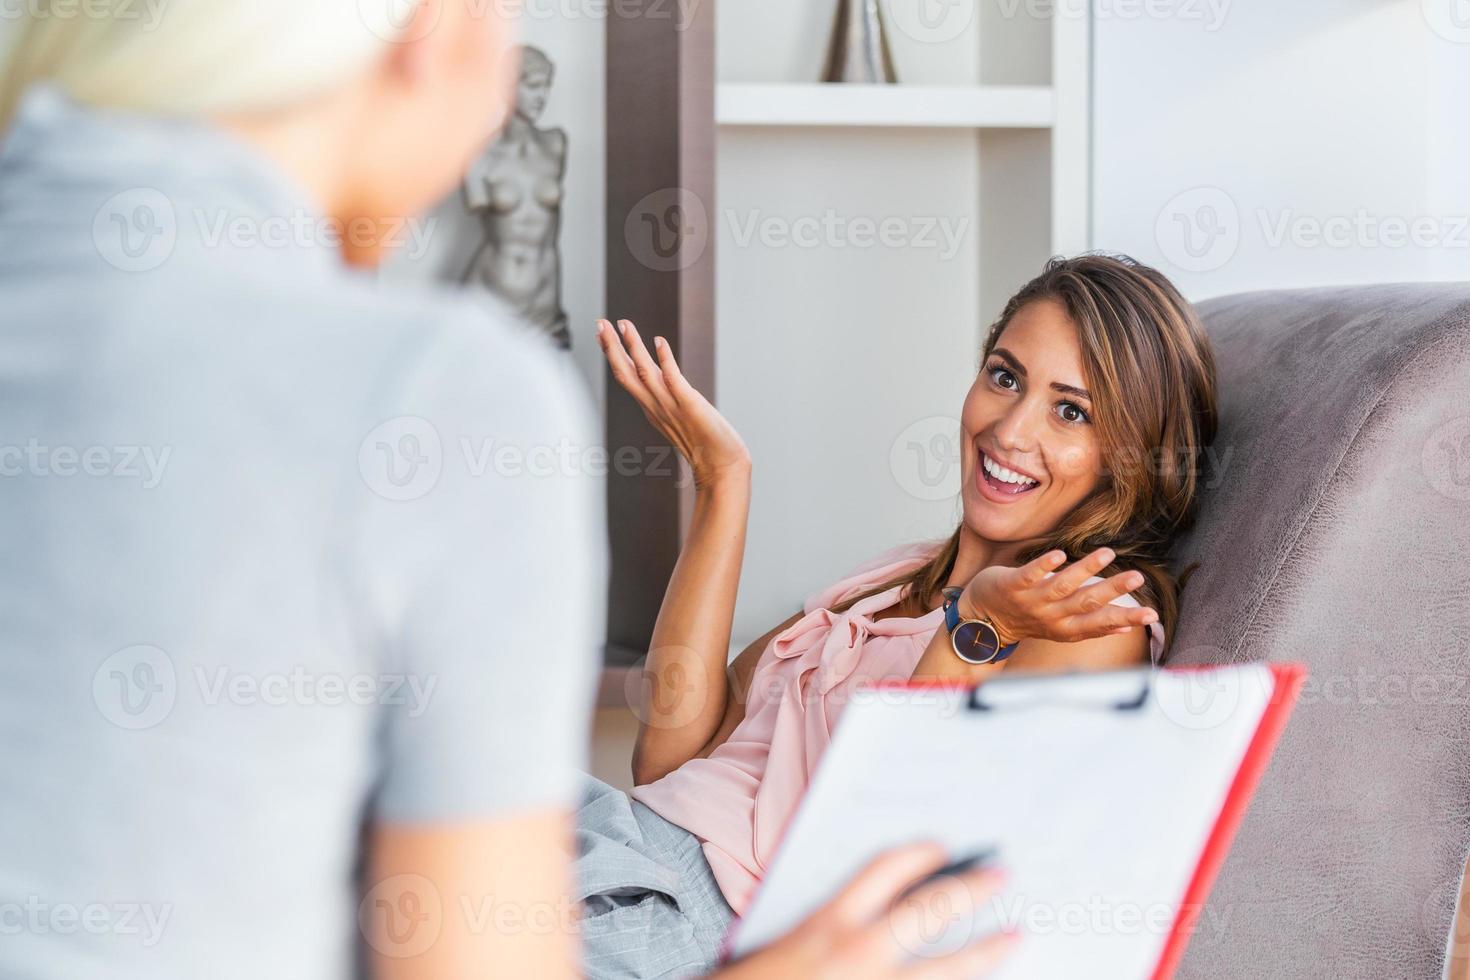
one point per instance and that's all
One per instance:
(970, 107)
(830, 348)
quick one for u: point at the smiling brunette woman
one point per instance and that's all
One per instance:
(1081, 438)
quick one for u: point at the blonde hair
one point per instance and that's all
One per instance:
(191, 57)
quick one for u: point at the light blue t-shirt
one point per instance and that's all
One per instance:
(285, 552)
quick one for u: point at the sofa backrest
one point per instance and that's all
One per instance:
(1335, 530)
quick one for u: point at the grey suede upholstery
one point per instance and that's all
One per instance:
(1336, 531)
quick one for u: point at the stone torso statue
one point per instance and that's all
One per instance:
(515, 189)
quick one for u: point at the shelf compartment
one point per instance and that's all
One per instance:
(844, 104)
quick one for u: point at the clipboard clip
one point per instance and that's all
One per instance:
(1132, 701)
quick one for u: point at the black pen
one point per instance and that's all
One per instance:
(959, 866)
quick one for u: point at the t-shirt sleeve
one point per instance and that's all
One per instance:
(481, 565)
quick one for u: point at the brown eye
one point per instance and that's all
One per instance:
(1003, 378)
(1072, 412)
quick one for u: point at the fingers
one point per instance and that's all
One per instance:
(1113, 619)
(1071, 578)
(678, 385)
(871, 891)
(1091, 598)
(648, 369)
(1034, 571)
(624, 371)
(928, 913)
(975, 960)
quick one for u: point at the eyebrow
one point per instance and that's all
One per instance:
(1019, 368)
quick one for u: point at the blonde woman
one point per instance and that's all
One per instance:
(286, 685)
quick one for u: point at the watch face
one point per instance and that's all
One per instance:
(976, 642)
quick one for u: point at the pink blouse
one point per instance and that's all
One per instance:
(739, 800)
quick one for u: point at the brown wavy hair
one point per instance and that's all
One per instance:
(1151, 372)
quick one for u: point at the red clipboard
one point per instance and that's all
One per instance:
(1287, 682)
(1289, 679)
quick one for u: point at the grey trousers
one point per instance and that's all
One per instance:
(651, 906)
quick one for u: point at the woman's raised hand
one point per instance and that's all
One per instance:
(1024, 603)
(710, 444)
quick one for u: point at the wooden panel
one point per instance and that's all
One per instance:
(660, 274)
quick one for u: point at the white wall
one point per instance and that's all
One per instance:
(842, 360)
(1299, 144)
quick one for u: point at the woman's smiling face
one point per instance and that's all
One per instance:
(1030, 452)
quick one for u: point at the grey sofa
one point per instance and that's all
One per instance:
(1335, 530)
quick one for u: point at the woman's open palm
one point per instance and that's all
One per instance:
(692, 425)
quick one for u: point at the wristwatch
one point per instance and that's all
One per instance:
(975, 641)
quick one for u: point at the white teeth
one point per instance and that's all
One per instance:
(1003, 474)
